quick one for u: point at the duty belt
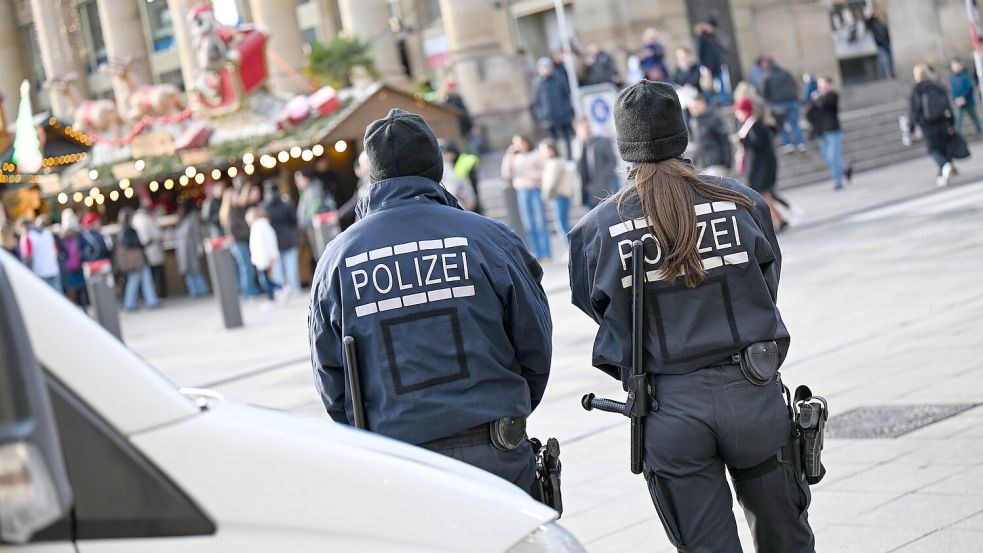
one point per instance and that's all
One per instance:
(506, 434)
(478, 435)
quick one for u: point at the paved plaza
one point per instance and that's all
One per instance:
(883, 295)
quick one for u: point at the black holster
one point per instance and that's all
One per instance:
(546, 488)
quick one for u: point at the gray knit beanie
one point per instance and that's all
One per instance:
(401, 145)
(649, 122)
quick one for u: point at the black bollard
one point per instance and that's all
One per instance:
(102, 295)
(222, 266)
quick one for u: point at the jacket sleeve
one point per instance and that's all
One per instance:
(527, 316)
(771, 269)
(915, 109)
(325, 340)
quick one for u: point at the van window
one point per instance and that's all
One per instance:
(118, 492)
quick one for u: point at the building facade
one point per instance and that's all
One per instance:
(472, 42)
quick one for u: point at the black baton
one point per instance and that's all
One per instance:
(354, 381)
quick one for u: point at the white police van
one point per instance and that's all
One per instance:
(100, 453)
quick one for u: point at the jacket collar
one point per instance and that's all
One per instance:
(397, 191)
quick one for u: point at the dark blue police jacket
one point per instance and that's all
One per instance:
(447, 310)
(686, 328)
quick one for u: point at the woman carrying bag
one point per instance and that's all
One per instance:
(131, 261)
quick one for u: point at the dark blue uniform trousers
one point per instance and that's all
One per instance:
(707, 419)
(517, 466)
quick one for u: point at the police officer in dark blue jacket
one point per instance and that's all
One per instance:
(447, 308)
(715, 337)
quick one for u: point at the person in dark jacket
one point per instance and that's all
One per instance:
(931, 112)
(687, 71)
(963, 94)
(714, 154)
(233, 219)
(446, 307)
(761, 165)
(597, 164)
(781, 92)
(283, 218)
(551, 103)
(600, 66)
(824, 116)
(653, 55)
(211, 207)
(187, 249)
(877, 25)
(707, 301)
(711, 56)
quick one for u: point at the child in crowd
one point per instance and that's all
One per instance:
(263, 248)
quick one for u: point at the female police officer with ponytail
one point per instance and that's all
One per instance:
(714, 337)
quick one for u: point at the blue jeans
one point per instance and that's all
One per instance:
(246, 273)
(561, 215)
(885, 61)
(533, 215)
(286, 271)
(54, 282)
(831, 145)
(197, 287)
(266, 283)
(138, 280)
(791, 133)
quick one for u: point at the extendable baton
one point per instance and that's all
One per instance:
(354, 381)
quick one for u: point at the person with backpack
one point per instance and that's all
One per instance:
(95, 244)
(70, 252)
(931, 112)
(781, 92)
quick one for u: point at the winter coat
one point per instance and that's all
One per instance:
(685, 328)
(597, 165)
(263, 249)
(523, 169)
(283, 217)
(150, 236)
(759, 155)
(709, 51)
(559, 180)
(310, 203)
(447, 311)
(238, 227)
(778, 85)
(551, 102)
(38, 246)
(691, 77)
(961, 85)
(712, 141)
(824, 114)
(603, 70)
(878, 28)
(187, 244)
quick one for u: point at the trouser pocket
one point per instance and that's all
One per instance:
(664, 507)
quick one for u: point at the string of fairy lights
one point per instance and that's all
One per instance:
(124, 189)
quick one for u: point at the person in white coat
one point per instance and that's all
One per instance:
(263, 248)
(153, 247)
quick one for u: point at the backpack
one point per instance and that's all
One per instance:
(72, 249)
(935, 104)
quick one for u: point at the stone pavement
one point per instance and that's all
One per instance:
(882, 294)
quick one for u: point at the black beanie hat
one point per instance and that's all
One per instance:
(402, 145)
(650, 124)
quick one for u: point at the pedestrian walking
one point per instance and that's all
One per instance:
(711, 56)
(264, 252)
(187, 249)
(653, 56)
(152, 239)
(963, 95)
(781, 92)
(551, 103)
(233, 219)
(600, 67)
(877, 25)
(931, 112)
(38, 249)
(824, 116)
(597, 164)
(757, 143)
(131, 260)
(559, 185)
(701, 287)
(522, 168)
(452, 357)
(283, 217)
(70, 248)
(714, 153)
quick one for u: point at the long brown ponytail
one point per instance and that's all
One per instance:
(667, 190)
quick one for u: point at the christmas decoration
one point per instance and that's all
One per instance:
(27, 148)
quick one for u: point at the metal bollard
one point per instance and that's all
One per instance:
(102, 294)
(512, 209)
(326, 227)
(222, 266)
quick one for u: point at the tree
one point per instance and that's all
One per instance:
(332, 63)
(27, 148)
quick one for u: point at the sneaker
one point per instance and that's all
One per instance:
(788, 148)
(801, 148)
(943, 180)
